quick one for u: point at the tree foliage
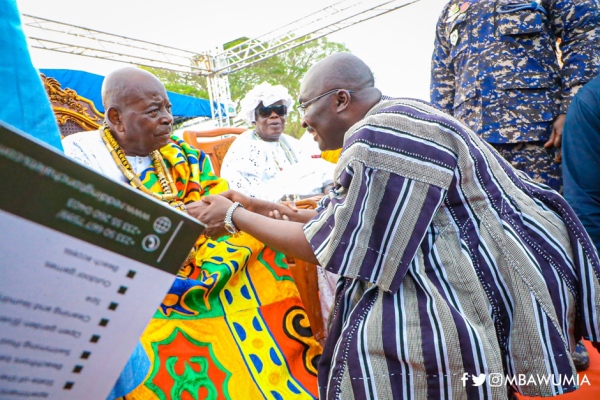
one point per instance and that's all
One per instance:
(286, 69)
(177, 82)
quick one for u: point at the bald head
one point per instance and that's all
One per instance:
(137, 110)
(340, 70)
(335, 93)
(119, 85)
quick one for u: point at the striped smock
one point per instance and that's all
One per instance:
(453, 265)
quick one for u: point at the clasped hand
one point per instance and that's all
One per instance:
(211, 210)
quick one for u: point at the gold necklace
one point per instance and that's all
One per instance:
(286, 150)
(164, 177)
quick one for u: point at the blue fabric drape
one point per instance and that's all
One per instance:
(25, 104)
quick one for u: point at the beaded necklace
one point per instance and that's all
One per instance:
(164, 177)
(286, 150)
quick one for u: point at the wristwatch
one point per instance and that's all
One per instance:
(229, 225)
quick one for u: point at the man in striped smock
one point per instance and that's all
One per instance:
(457, 271)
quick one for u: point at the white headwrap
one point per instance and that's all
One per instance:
(267, 94)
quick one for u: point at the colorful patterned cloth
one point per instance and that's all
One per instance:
(232, 325)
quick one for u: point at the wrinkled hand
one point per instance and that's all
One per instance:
(234, 196)
(275, 214)
(194, 209)
(211, 212)
(556, 136)
(289, 204)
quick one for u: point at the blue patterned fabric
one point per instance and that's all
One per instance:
(495, 68)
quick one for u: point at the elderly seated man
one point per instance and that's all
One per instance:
(232, 325)
(264, 162)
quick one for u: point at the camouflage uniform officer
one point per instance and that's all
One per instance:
(495, 68)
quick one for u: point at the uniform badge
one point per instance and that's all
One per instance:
(454, 37)
(453, 10)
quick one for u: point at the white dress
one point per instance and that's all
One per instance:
(271, 170)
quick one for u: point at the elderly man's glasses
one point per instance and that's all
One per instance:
(266, 112)
(303, 106)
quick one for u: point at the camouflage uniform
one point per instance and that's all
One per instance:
(494, 67)
(541, 164)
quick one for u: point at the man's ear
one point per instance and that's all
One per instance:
(343, 100)
(114, 117)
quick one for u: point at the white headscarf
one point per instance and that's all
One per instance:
(267, 94)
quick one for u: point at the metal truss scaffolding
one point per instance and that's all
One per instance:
(214, 64)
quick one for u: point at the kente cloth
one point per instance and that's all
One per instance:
(232, 326)
(461, 277)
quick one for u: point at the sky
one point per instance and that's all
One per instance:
(397, 46)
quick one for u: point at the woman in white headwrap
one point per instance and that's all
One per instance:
(264, 162)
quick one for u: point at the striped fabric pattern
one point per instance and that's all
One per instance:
(452, 263)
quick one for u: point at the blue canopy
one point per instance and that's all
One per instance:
(89, 85)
